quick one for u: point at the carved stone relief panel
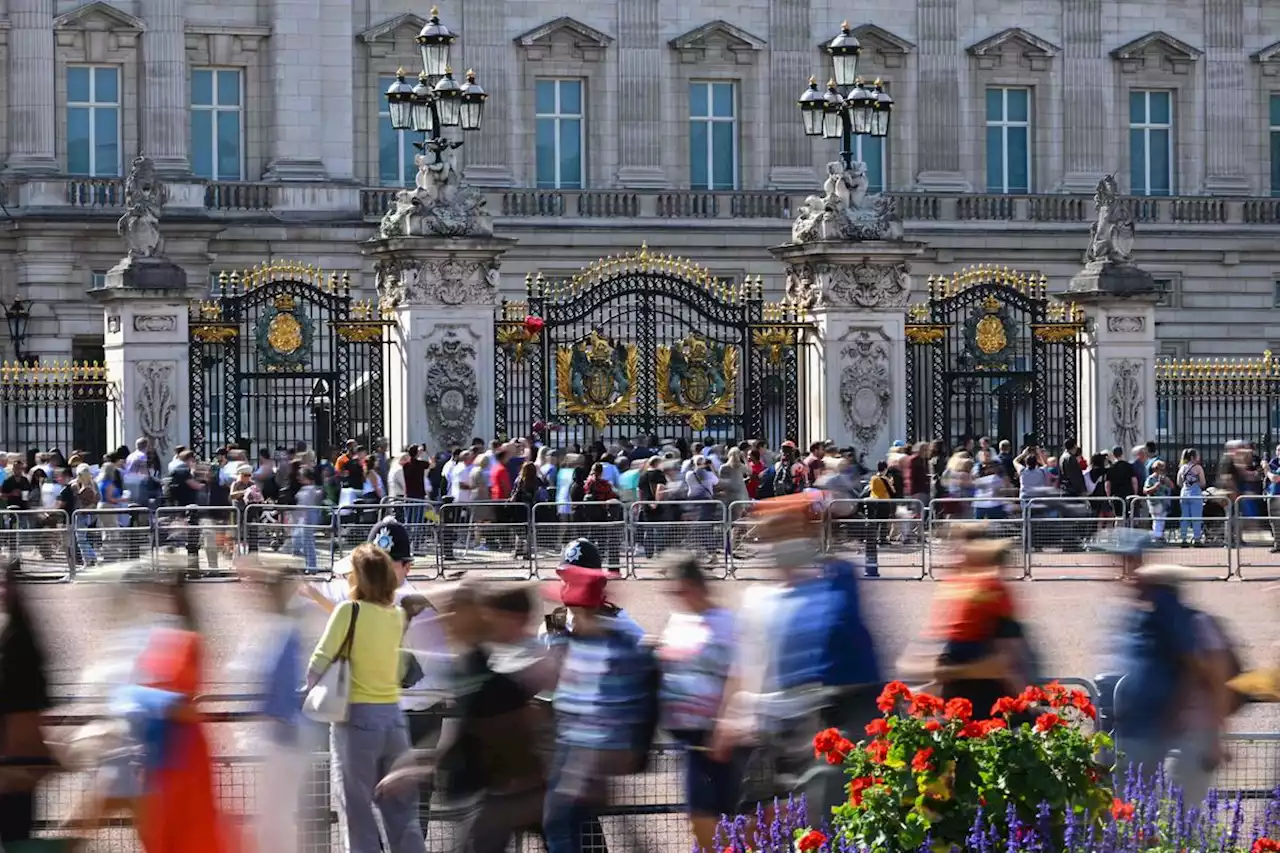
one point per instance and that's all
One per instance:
(866, 383)
(156, 403)
(453, 389)
(1126, 400)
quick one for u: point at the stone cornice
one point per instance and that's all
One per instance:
(743, 45)
(118, 20)
(1175, 48)
(1032, 44)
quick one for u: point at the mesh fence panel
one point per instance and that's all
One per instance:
(40, 539)
(103, 537)
(1059, 532)
(888, 537)
(296, 531)
(486, 536)
(604, 523)
(667, 527)
(1257, 555)
(1200, 528)
(209, 537)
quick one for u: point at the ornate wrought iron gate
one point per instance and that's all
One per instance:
(990, 355)
(650, 344)
(281, 355)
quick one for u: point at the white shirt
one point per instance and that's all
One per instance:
(459, 475)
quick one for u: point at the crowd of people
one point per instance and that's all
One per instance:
(475, 696)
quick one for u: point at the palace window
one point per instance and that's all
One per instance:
(217, 124)
(561, 134)
(1008, 140)
(1151, 142)
(713, 136)
(1275, 145)
(93, 121)
(395, 147)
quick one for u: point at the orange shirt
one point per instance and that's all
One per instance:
(970, 607)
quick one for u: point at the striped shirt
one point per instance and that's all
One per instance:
(604, 696)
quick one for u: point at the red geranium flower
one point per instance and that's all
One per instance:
(840, 751)
(878, 727)
(894, 690)
(959, 709)
(973, 729)
(933, 726)
(922, 762)
(1266, 845)
(824, 741)
(862, 783)
(1058, 695)
(1080, 700)
(1120, 810)
(925, 705)
(990, 726)
(1007, 705)
(811, 840)
(878, 751)
(1034, 696)
(1048, 722)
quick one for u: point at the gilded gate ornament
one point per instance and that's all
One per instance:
(696, 379)
(284, 336)
(597, 378)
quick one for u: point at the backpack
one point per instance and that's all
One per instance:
(783, 481)
(1234, 666)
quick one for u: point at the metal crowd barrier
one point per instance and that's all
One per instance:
(904, 539)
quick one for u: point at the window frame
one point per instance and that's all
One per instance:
(1005, 124)
(405, 142)
(883, 185)
(1273, 140)
(557, 117)
(92, 106)
(710, 121)
(215, 109)
(1146, 127)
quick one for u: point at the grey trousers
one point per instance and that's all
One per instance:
(364, 749)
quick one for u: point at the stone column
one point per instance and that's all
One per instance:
(1227, 97)
(164, 96)
(1117, 392)
(1084, 120)
(791, 61)
(856, 292)
(298, 93)
(640, 55)
(941, 121)
(440, 383)
(486, 45)
(32, 114)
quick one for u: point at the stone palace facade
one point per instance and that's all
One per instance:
(651, 121)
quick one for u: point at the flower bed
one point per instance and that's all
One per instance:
(933, 776)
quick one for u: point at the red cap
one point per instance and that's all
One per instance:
(580, 587)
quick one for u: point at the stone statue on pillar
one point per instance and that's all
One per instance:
(439, 204)
(844, 211)
(848, 269)
(140, 224)
(1117, 388)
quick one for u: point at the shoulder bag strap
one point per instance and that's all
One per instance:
(344, 651)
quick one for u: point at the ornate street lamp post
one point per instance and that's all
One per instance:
(16, 315)
(849, 107)
(438, 101)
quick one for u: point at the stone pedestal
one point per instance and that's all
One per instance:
(444, 291)
(145, 304)
(856, 293)
(1117, 402)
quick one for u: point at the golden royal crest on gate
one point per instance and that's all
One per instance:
(597, 378)
(696, 379)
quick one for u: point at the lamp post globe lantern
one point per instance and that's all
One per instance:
(400, 102)
(422, 95)
(16, 315)
(434, 40)
(844, 50)
(448, 96)
(862, 103)
(812, 102)
(884, 108)
(832, 112)
(472, 97)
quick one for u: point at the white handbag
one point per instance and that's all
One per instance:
(327, 701)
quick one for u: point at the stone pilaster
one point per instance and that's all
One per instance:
(941, 121)
(1117, 393)
(856, 293)
(296, 71)
(1226, 85)
(640, 53)
(333, 59)
(791, 61)
(486, 44)
(148, 360)
(32, 114)
(440, 382)
(1084, 121)
(164, 96)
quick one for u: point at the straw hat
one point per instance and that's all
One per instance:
(1163, 574)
